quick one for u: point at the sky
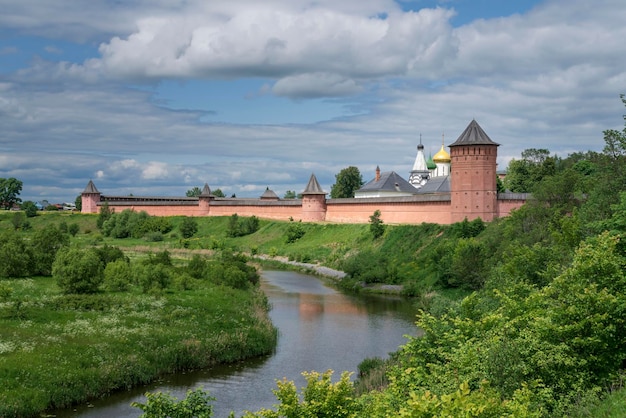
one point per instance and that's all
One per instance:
(155, 97)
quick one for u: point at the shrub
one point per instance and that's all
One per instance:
(376, 225)
(73, 229)
(152, 278)
(240, 227)
(295, 231)
(18, 220)
(188, 227)
(196, 267)
(46, 243)
(16, 256)
(29, 208)
(118, 276)
(196, 404)
(154, 236)
(78, 271)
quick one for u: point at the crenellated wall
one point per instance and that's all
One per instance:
(435, 208)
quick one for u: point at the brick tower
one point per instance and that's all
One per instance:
(313, 202)
(204, 200)
(473, 175)
(90, 198)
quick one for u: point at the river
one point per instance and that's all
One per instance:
(320, 328)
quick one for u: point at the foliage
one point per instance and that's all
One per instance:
(523, 174)
(104, 215)
(45, 245)
(240, 227)
(347, 181)
(188, 227)
(290, 194)
(295, 231)
(195, 192)
(110, 253)
(29, 208)
(78, 202)
(15, 254)
(320, 398)
(10, 189)
(197, 404)
(18, 219)
(77, 270)
(218, 193)
(118, 276)
(73, 229)
(376, 225)
(129, 223)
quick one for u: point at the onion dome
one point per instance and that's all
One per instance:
(430, 164)
(442, 156)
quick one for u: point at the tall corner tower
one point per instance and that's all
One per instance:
(473, 175)
(313, 202)
(90, 198)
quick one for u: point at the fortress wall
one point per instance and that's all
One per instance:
(510, 201)
(160, 210)
(278, 210)
(393, 211)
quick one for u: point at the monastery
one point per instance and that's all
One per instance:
(447, 188)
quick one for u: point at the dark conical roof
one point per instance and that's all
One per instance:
(313, 187)
(206, 190)
(90, 188)
(473, 135)
(269, 195)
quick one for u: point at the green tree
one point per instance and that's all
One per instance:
(29, 208)
(523, 174)
(104, 215)
(18, 219)
(118, 276)
(188, 227)
(376, 225)
(197, 404)
(290, 194)
(78, 271)
(10, 189)
(78, 202)
(347, 181)
(195, 192)
(15, 254)
(46, 243)
(218, 193)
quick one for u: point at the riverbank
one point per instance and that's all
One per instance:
(60, 350)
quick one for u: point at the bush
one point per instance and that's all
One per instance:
(29, 209)
(159, 405)
(78, 271)
(16, 256)
(376, 225)
(239, 228)
(152, 278)
(108, 254)
(154, 236)
(188, 227)
(46, 243)
(118, 276)
(73, 229)
(295, 231)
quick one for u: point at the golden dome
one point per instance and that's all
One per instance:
(442, 156)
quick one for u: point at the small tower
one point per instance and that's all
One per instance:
(442, 161)
(204, 200)
(90, 197)
(473, 178)
(313, 202)
(420, 173)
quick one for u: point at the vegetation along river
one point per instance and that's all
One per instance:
(320, 328)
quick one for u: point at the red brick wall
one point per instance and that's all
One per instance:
(473, 182)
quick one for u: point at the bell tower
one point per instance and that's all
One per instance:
(473, 186)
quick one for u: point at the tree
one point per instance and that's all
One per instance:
(536, 164)
(77, 270)
(195, 192)
(218, 193)
(29, 208)
(104, 215)
(78, 202)
(376, 225)
(290, 194)
(347, 181)
(45, 244)
(9, 191)
(188, 227)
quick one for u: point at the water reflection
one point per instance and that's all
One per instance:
(319, 329)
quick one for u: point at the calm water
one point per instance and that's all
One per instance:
(319, 329)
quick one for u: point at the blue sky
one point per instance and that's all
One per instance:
(156, 97)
